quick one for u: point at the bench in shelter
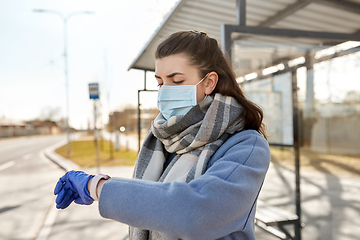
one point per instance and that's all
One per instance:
(273, 219)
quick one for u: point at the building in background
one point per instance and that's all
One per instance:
(128, 118)
(12, 128)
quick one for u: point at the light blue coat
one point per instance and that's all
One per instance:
(220, 204)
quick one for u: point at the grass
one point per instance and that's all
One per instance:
(83, 153)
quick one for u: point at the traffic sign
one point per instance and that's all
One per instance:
(94, 90)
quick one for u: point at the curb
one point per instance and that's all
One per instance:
(62, 162)
(66, 165)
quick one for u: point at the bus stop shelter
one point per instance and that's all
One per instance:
(265, 38)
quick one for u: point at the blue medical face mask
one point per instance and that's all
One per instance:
(177, 100)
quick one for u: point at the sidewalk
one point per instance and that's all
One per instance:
(330, 205)
(78, 221)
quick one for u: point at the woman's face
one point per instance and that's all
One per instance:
(175, 70)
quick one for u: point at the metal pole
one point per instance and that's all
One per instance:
(96, 139)
(139, 114)
(241, 12)
(139, 121)
(111, 148)
(226, 40)
(66, 66)
(145, 80)
(296, 129)
(66, 74)
(292, 33)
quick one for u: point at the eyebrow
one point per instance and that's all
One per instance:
(171, 75)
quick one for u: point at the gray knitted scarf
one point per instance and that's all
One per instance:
(194, 137)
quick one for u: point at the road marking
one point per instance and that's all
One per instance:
(27, 156)
(6, 165)
(48, 223)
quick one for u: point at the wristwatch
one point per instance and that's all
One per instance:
(94, 183)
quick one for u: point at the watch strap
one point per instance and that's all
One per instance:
(94, 184)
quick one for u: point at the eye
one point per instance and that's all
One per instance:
(179, 82)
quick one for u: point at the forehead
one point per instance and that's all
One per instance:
(173, 63)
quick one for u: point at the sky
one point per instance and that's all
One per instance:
(101, 47)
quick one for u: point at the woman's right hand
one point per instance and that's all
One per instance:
(73, 186)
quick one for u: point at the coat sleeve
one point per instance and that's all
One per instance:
(211, 206)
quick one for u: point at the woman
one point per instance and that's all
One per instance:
(203, 162)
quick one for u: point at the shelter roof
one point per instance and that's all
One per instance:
(253, 51)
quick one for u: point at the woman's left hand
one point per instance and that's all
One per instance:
(73, 186)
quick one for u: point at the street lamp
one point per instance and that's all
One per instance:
(65, 19)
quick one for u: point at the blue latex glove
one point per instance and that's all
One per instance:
(73, 187)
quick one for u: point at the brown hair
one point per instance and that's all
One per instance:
(205, 53)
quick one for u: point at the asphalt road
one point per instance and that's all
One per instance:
(27, 180)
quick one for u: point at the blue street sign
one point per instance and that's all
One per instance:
(94, 90)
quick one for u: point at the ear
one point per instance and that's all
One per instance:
(210, 82)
